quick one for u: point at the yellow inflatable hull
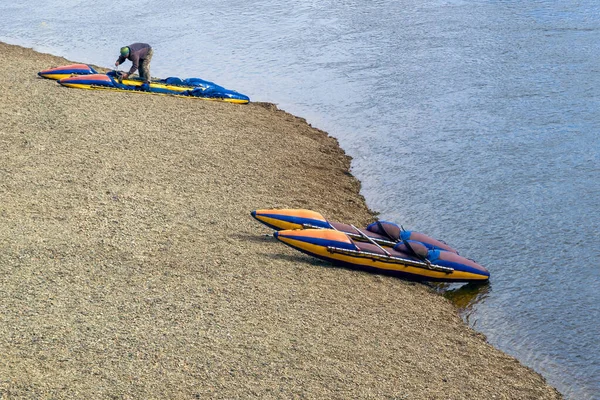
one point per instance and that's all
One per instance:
(337, 247)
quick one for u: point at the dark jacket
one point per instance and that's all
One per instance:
(137, 52)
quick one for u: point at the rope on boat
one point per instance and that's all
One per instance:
(390, 259)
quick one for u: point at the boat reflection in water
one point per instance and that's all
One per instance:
(464, 297)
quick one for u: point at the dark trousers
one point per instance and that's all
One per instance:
(145, 66)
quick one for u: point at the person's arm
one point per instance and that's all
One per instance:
(120, 61)
(135, 60)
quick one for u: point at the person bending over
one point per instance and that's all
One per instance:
(140, 55)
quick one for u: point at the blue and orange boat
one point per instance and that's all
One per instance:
(83, 76)
(382, 247)
(382, 232)
(66, 71)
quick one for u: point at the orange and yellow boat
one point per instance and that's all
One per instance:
(382, 246)
(409, 259)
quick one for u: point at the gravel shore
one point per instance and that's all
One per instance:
(130, 266)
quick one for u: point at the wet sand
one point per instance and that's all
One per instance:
(131, 268)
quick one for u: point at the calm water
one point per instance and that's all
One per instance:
(474, 121)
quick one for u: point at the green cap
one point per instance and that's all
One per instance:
(125, 51)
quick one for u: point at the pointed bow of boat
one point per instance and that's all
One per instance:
(87, 81)
(66, 71)
(315, 238)
(290, 219)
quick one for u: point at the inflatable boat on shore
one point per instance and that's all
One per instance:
(382, 232)
(83, 76)
(408, 260)
(381, 247)
(66, 71)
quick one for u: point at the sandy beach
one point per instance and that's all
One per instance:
(130, 267)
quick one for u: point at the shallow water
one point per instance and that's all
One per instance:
(473, 121)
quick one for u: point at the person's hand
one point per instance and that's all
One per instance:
(125, 75)
(116, 63)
